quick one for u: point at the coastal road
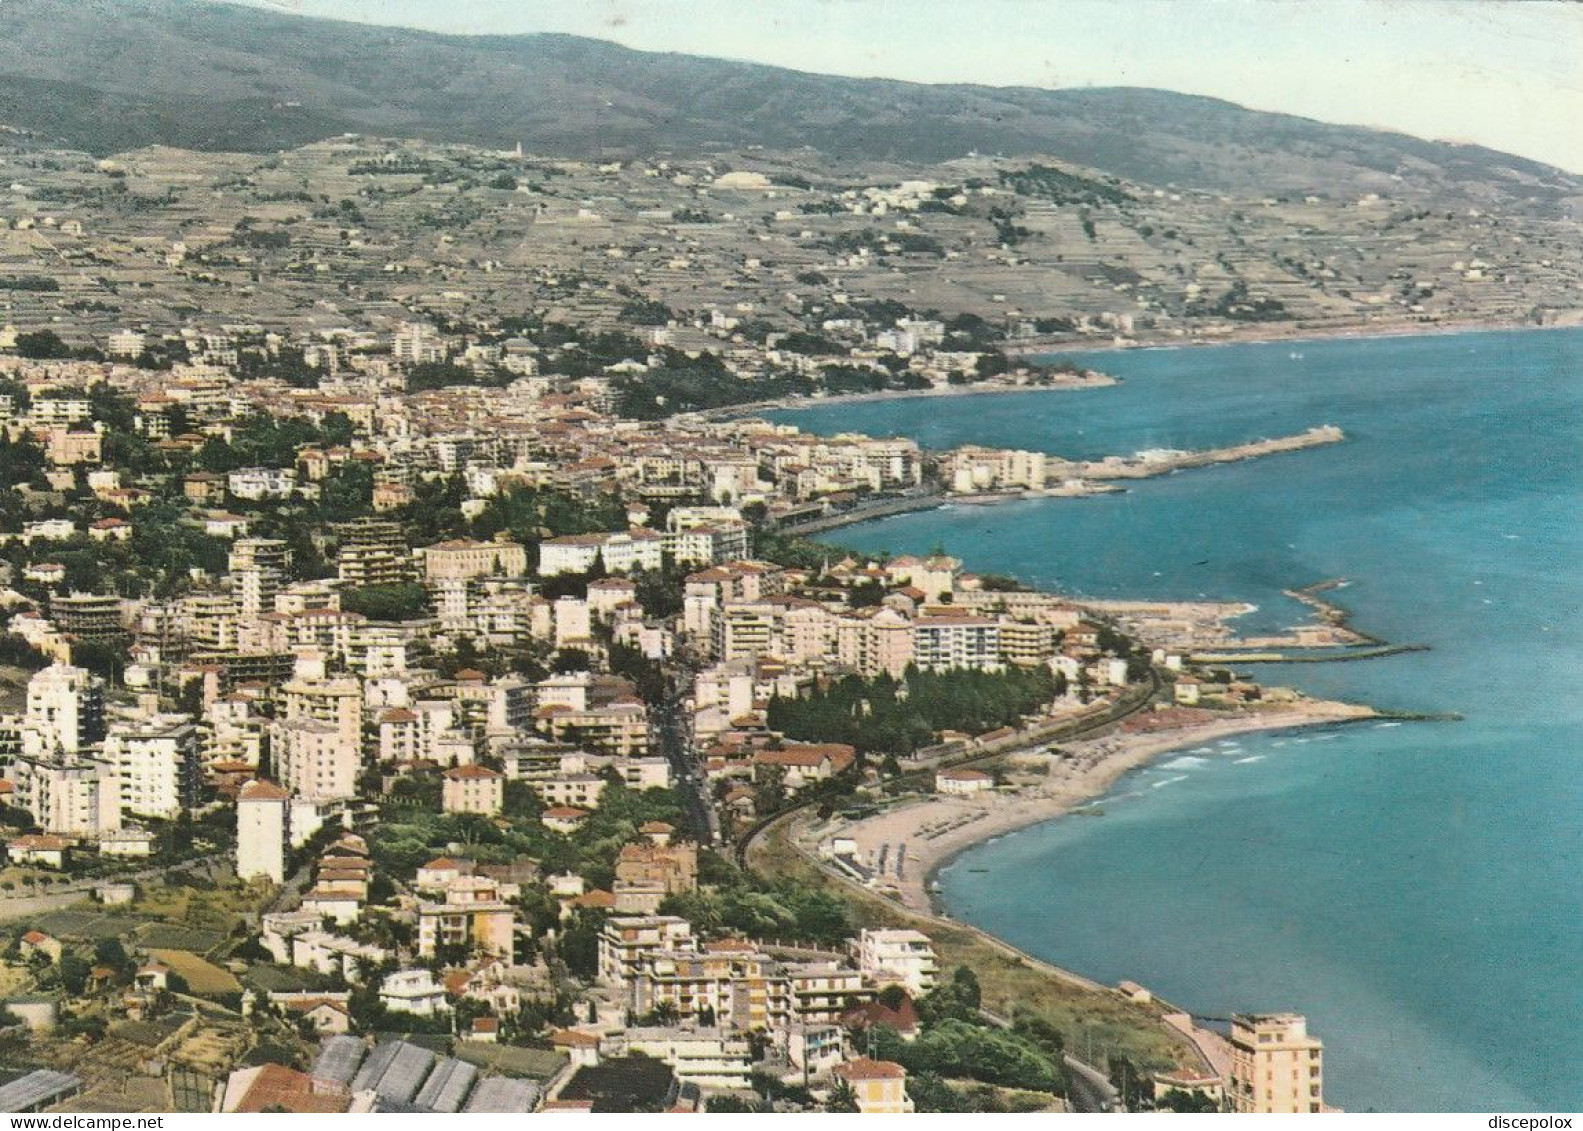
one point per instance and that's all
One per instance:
(1091, 1092)
(1088, 1090)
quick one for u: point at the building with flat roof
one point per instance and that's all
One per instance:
(1276, 1067)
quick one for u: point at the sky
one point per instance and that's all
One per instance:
(1503, 73)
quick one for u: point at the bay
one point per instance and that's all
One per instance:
(1416, 890)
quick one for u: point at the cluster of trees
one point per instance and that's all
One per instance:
(1007, 230)
(1062, 187)
(842, 378)
(729, 901)
(683, 383)
(47, 345)
(444, 374)
(890, 716)
(962, 1046)
(531, 514)
(581, 354)
(908, 243)
(410, 836)
(267, 441)
(388, 602)
(1237, 304)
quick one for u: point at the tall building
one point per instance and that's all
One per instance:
(89, 616)
(900, 956)
(260, 567)
(68, 794)
(374, 552)
(314, 761)
(417, 344)
(464, 560)
(473, 789)
(943, 642)
(338, 703)
(157, 765)
(65, 711)
(1276, 1067)
(261, 831)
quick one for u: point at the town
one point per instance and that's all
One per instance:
(421, 691)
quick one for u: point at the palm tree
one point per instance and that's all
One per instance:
(842, 1098)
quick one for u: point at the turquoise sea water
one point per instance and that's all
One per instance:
(1417, 890)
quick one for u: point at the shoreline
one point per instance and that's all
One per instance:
(1091, 767)
(793, 404)
(1065, 384)
(1572, 320)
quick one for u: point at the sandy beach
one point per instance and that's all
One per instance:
(938, 828)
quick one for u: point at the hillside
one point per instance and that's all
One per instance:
(113, 75)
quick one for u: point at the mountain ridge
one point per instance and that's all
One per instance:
(112, 75)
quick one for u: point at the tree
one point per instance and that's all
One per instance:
(42, 344)
(109, 952)
(1175, 1099)
(578, 948)
(959, 998)
(957, 1048)
(388, 602)
(842, 1098)
(74, 970)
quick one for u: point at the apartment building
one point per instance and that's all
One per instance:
(947, 641)
(901, 957)
(1276, 1067)
(473, 914)
(157, 766)
(473, 789)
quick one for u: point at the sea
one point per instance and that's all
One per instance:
(1415, 889)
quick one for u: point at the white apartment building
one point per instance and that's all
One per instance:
(902, 957)
(64, 712)
(943, 642)
(260, 568)
(708, 545)
(261, 832)
(626, 941)
(627, 551)
(157, 766)
(67, 794)
(257, 483)
(707, 1057)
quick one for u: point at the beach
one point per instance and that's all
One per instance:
(938, 828)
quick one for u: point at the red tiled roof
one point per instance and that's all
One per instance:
(262, 790)
(277, 1086)
(863, 1068)
(572, 1039)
